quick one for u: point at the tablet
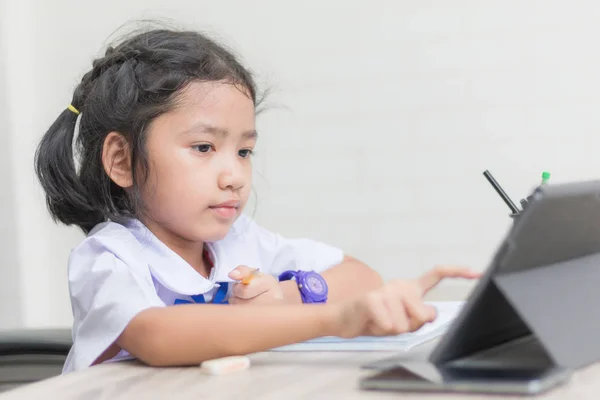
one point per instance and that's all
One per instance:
(527, 321)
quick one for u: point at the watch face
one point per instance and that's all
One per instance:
(315, 284)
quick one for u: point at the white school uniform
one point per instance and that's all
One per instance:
(120, 270)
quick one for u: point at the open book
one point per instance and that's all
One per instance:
(446, 312)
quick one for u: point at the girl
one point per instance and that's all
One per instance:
(166, 130)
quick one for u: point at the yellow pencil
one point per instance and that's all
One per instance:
(246, 280)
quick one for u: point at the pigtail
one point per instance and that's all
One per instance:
(66, 197)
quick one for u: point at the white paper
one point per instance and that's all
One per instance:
(446, 312)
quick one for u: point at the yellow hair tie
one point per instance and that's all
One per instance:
(73, 109)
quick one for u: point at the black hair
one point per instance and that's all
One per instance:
(135, 82)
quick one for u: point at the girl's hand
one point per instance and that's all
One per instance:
(261, 289)
(396, 308)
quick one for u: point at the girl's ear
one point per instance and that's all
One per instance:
(116, 159)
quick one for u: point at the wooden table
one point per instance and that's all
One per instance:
(274, 375)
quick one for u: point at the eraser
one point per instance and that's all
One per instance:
(225, 365)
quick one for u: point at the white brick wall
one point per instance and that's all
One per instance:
(384, 115)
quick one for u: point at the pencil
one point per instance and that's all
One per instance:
(246, 280)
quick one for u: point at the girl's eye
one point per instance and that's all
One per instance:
(245, 153)
(203, 148)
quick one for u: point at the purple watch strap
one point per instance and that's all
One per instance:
(287, 275)
(307, 292)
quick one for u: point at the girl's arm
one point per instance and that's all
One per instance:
(189, 334)
(348, 279)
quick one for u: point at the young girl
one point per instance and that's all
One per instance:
(166, 130)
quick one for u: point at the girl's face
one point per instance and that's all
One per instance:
(200, 171)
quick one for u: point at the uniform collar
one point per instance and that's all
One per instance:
(167, 267)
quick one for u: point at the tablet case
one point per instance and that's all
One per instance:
(542, 284)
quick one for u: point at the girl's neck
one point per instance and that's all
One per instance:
(191, 252)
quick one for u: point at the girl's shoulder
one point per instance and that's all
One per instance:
(107, 241)
(111, 234)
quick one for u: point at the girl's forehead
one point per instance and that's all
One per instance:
(210, 107)
(214, 96)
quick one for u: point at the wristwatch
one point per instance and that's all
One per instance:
(312, 286)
